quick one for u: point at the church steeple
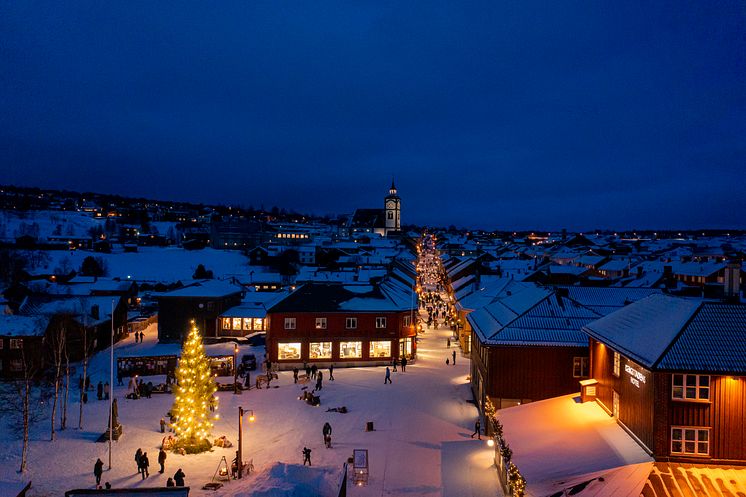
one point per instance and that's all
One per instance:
(392, 209)
(392, 190)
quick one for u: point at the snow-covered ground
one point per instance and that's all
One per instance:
(157, 264)
(421, 445)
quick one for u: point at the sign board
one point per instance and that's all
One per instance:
(635, 377)
(360, 458)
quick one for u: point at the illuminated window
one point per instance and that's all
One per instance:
(226, 323)
(694, 441)
(350, 350)
(236, 323)
(405, 347)
(16, 343)
(289, 323)
(320, 350)
(380, 323)
(258, 324)
(350, 323)
(247, 324)
(380, 349)
(690, 387)
(320, 323)
(617, 364)
(580, 367)
(288, 351)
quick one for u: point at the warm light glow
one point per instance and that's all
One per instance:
(490, 442)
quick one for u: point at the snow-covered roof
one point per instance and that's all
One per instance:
(17, 326)
(204, 288)
(318, 297)
(605, 300)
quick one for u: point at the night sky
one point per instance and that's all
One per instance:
(489, 114)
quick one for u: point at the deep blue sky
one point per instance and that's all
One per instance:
(493, 114)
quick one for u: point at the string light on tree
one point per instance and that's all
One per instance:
(195, 394)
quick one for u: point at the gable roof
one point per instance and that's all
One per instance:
(318, 297)
(605, 300)
(206, 288)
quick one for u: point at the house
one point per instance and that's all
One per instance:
(203, 301)
(344, 324)
(21, 344)
(250, 315)
(672, 372)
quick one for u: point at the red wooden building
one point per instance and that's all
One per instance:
(672, 372)
(348, 325)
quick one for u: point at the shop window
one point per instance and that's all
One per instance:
(16, 343)
(617, 364)
(405, 347)
(320, 323)
(580, 367)
(690, 387)
(320, 350)
(247, 324)
(350, 350)
(288, 351)
(691, 441)
(237, 324)
(350, 323)
(226, 323)
(289, 323)
(380, 349)
(380, 323)
(259, 324)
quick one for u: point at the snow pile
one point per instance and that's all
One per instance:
(294, 480)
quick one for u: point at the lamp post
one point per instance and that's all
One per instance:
(235, 369)
(239, 455)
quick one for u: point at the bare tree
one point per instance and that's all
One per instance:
(63, 414)
(88, 346)
(58, 346)
(22, 399)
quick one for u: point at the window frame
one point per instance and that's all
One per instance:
(684, 387)
(371, 347)
(290, 323)
(350, 323)
(697, 441)
(617, 367)
(360, 348)
(16, 343)
(321, 324)
(331, 350)
(380, 322)
(300, 351)
(583, 363)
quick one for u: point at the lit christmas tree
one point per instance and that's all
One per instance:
(195, 394)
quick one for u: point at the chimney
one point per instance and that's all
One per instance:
(732, 280)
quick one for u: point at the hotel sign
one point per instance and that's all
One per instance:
(635, 376)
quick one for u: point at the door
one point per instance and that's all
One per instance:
(615, 404)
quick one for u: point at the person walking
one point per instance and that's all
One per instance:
(319, 377)
(144, 464)
(396, 363)
(327, 432)
(448, 343)
(107, 390)
(306, 456)
(295, 375)
(100, 391)
(387, 379)
(98, 470)
(162, 460)
(477, 430)
(454, 357)
(404, 364)
(331, 372)
(163, 428)
(179, 478)
(138, 456)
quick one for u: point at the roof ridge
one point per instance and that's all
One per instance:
(700, 306)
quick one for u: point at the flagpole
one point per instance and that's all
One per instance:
(111, 383)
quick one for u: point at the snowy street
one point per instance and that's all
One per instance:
(421, 444)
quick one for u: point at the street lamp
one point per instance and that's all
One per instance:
(235, 369)
(239, 452)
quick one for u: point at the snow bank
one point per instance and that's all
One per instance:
(294, 480)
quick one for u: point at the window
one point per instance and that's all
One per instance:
(226, 323)
(320, 350)
(288, 351)
(380, 349)
(350, 323)
(289, 323)
(694, 441)
(391, 215)
(690, 387)
(320, 323)
(16, 343)
(258, 324)
(350, 350)
(617, 364)
(247, 324)
(2, 344)
(407, 320)
(16, 365)
(237, 324)
(580, 367)
(380, 323)
(405, 347)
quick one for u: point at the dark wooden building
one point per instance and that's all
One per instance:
(202, 302)
(672, 372)
(357, 324)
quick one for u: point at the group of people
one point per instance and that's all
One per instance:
(143, 465)
(139, 336)
(138, 388)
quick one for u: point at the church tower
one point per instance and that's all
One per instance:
(392, 210)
